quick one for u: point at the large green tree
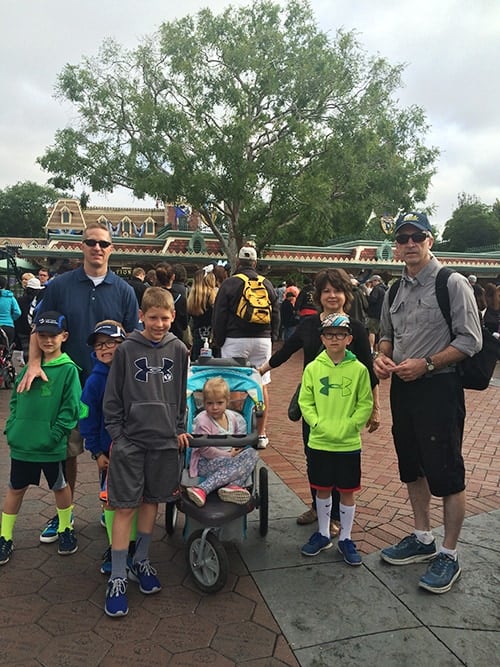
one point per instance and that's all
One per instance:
(23, 208)
(473, 225)
(256, 117)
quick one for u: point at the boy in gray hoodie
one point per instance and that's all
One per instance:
(144, 411)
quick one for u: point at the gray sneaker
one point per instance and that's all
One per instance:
(409, 550)
(441, 574)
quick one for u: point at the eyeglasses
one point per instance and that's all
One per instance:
(338, 335)
(106, 345)
(91, 243)
(416, 237)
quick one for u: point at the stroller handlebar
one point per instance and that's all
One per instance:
(238, 441)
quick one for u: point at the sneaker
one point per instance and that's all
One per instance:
(234, 494)
(106, 562)
(116, 597)
(409, 550)
(262, 442)
(317, 542)
(196, 495)
(50, 533)
(145, 575)
(348, 549)
(6, 549)
(67, 542)
(441, 574)
(310, 516)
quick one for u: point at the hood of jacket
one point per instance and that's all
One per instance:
(61, 360)
(99, 367)
(325, 359)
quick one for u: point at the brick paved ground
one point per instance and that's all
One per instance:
(52, 612)
(383, 513)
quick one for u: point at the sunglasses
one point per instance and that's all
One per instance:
(91, 243)
(416, 237)
(338, 335)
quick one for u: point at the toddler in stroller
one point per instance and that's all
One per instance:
(229, 485)
(7, 370)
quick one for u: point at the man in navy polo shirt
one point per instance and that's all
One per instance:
(87, 295)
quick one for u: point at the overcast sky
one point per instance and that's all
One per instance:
(451, 49)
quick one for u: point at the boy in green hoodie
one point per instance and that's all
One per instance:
(37, 433)
(336, 401)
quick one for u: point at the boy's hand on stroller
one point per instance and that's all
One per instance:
(32, 372)
(183, 440)
(236, 450)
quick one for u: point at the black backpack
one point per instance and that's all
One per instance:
(474, 372)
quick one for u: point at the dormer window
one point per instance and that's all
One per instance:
(65, 216)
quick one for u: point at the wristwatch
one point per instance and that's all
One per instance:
(430, 366)
(96, 455)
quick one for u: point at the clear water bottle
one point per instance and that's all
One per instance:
(206, 350)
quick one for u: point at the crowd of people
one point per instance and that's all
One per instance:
(128, 345)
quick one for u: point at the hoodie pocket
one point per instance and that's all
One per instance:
(151, 421)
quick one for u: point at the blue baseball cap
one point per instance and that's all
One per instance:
(110, 330)
(50, 322)
(418, 220)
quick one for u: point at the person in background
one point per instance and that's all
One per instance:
(200, 303)
(248, 340)
(166, 276)
(304, 303)
(417, 353)
(43, 276)
(288, 318)
(28, 303)
(9, 310)
(491, 317)
(25, 277)
(137, 283)
(478, 292)
(151, 279)
(376, 294)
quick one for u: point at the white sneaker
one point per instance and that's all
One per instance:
(262, 442)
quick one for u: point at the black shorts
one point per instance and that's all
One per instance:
(428, 424)
(26, 473)
(339, 470)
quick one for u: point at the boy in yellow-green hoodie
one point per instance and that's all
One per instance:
(336, 401)
(37, 433)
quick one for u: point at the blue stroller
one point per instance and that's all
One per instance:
(205, 527)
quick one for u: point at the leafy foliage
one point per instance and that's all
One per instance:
(23, 208)
(472, 225)
(255, 117)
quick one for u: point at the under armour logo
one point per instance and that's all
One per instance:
(144, 370)
(345, 386)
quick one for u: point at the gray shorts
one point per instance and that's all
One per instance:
(137, 474)
(75, 444)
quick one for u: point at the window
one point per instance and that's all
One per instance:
(65, 216)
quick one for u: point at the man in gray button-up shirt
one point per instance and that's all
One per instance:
(417, 352)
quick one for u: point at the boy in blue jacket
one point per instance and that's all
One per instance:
(104, 340)
(37, 433)
(336, 401)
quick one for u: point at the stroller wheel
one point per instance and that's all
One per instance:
(9, 377)
(208, 562)
(263, 501)
(171, 512)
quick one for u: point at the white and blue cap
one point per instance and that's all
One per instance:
(50, 322)
(336, 321)
(111, 330)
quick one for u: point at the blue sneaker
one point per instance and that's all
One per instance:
(6, 549)
(409, 550)
(317, 542)
(67, 542)
(348, 549)
(49, 533)
(145, 575)
(441, 574)
(106, 565)
(116, 603)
